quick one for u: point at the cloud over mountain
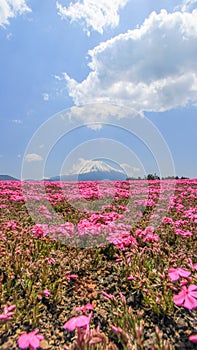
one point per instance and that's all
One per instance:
(151, 68)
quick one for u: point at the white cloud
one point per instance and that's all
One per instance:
(93, 14)
(10, 9)
(94, 115)
(45, 96)
(9, 36)
(76, 167)
(129, 169)
(33, 157)
(152, 68)
(188, 5)
(17, 121)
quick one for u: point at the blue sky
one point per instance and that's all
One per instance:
(134, 54)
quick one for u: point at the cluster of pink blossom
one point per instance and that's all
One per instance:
(180, 220)
(147, 235)
(187, 297)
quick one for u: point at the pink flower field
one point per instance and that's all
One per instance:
(98, 265)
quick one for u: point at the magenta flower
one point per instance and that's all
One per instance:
(193, 266)
(77, 322)
(31, 340)
(183, 233)
(175, 274)
(151, 237)
(108, 296)
(167, 220)
(193, 338)
(187, 297)
(40, 230)
(46, 292)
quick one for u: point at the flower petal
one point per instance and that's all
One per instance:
(193, 338)
(179, 298)
(190, 302)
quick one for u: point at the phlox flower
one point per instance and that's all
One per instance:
(167, 220)
(50, 261)
(7, 313)
(85, 307)
(11, 224)
(40, 230)
(108, 296)
(193, 266)
(187, 297)
(151, 237)
(183, 233)
(31, 340)
(193, 338)
(46, 292)
(149, 230)
(77, 322)
(139, 233)
(175, 274)
(69, 276)
(2, 236)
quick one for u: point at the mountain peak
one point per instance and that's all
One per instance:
(97, 165)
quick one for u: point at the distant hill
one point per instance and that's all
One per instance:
(7, 177)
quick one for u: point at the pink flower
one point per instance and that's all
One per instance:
(175, 274)
(50, 261)
(46, 292)
(131, 278)
(31, 340)
(7, 315)
(167, 220)
(108, 296)
(77, 322)
(187, 297)
(85, 307)
(11, 224)
(151, 237)
(183, 233)
(193, 266)
(70, 276)
(193, 338)
(40, 230)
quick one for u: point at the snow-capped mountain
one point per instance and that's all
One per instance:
(93, 170)
(95, 166)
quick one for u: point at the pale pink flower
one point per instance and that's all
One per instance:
(151, 237)
(31, 340)
(108, 296)
(7, 314)
(46, 292)
(85, 307)
(187, 297)
(77, 322)
(11, 224)
(95, 340)
(51, 261)
(193, 266)
(183, 233)
(175, 274)
(40, 230)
